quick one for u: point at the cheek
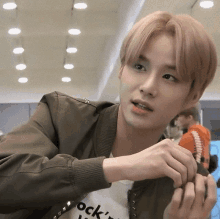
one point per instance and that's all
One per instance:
(171, 91)
(173, 105)
(127, 83)
(177, 96)
(124, 90)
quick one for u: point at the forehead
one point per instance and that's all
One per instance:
(160, 48)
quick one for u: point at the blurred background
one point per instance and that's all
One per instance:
(73, 47)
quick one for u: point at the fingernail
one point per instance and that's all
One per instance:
(174, 186)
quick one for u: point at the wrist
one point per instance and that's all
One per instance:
(113, 169)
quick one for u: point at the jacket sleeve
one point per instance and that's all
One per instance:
(32, 172)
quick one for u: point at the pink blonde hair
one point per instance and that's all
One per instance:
(196, 57)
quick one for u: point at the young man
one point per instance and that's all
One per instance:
(83, 159)
(197, 138)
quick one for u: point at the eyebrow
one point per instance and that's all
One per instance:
(143, 58)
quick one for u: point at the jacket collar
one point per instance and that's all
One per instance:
(105, 132)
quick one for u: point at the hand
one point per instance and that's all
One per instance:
(165, 158)
(192, 202)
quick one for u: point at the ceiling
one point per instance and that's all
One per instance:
(44, 35)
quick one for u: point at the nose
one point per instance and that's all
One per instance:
(149, 87)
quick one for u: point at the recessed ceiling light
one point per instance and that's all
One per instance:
(66, 79)
(71, 50)
(206, 4)
(68, 66)
(18, 50)
(21, 66)
(9, 6)
(23, 80)
(80, 5)
(14, 31)
(74, 31)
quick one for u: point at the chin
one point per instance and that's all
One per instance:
(137, 124)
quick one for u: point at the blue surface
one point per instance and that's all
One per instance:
(215, 150)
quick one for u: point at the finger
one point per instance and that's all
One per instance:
(174, 175)
(188, 197)
(187, 160)
(211, 198)
(199, 190)
(180, 175)
(176, 200)
(205, 180)
(194, 164)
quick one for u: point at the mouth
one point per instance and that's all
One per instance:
(143, 106)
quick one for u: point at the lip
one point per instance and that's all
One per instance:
(146, 104)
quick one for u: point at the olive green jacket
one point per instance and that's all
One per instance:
(50, 163)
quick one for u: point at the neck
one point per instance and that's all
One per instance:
(130, 140)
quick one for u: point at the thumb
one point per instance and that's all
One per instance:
(166, 211)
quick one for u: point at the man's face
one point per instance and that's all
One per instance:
(151, 92)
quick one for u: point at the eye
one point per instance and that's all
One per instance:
(139, 67)
(169, 77)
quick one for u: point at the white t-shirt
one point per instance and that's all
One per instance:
(111, 203)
